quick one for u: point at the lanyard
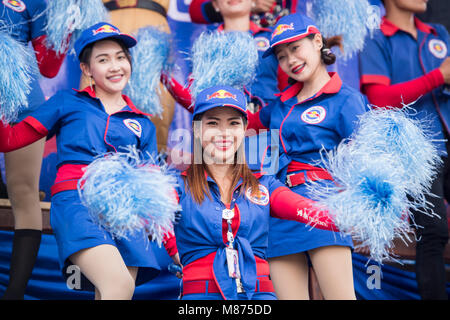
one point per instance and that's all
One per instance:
(232, 254)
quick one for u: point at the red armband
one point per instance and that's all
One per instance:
(49, 61)
(396, 95)
(181, 94)
(170, 244)
(254, 122)
(19, 136)
(286, 204)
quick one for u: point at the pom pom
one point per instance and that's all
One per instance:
(380, 175)
(18, 68)
(223, 58)
(347, 18)
(368, 200)
(126, 194)
(68, 18)
(396, 131)
(151, 57)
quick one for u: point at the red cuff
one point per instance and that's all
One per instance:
(254, 122)
(170, 244)
(196, 12)
(403, 93)
(181, 94)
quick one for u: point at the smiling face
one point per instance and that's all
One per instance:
(300, 59)
(109, 66)
(222, 131)
(231, 8)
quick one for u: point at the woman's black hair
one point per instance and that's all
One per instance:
(327, 56)
(86, 53)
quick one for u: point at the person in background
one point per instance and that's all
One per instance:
(25, 20)
(407, 62)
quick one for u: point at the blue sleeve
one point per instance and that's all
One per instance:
(149, 145)
(375, 61)
(264, 114)
(443, 34)
(354, 106)
(50, 113)
(37, 11)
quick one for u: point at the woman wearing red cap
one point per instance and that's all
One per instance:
(315, 113)
(87, 123)
(222, 234)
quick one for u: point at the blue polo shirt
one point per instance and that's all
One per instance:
(199, 231)
(322, 121)
(394, 56)
(84, 130)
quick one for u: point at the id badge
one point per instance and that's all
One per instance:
(233, 263)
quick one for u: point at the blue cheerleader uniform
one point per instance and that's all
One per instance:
(83, 131)
(318, 123)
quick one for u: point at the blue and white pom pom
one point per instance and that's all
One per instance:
(68, 18)
(351, 19)
(18, 68)
(128, 195)
(150, 56)
(368, 199)
(395, 131)
(223, 58)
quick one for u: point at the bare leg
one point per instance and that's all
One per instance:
(289, 275)
(104, 267)
(23, 168)
(334, 270)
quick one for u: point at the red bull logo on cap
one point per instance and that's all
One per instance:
(15, 5)
(106, 28)
(282, 28)
(221, 94)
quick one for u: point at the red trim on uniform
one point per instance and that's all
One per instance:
(91, 92)
(70, 172)
(106, 131)
(18, 136)
(37, 125)
(389, 28)
(63, 186)
(332, 86)
(67, 177)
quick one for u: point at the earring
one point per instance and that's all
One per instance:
(90, 83)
